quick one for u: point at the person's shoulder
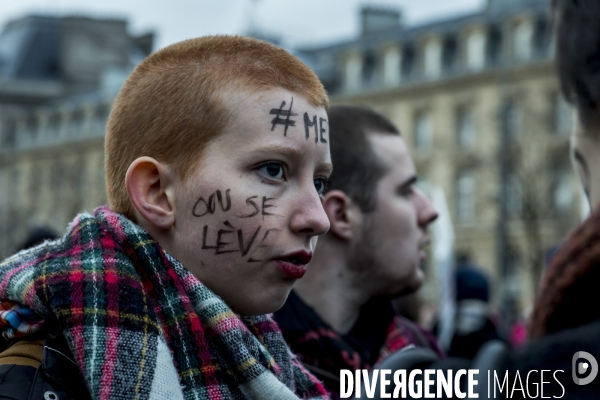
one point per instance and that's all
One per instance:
(40, 367)
(419, 336)
(18, 366)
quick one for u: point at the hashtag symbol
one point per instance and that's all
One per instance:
(280, 112)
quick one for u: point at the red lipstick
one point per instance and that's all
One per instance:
(293, 265)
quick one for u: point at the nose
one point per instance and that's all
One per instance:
(426, 212)
(309, 217)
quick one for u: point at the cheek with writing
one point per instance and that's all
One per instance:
(228, 237)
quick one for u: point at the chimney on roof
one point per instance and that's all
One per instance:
(377, 19)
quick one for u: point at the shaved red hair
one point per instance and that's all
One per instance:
(173, 103)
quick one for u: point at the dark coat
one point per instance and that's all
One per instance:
(57, 378)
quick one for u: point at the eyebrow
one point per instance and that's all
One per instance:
(290, 152)
(326, 168)
(409, 182)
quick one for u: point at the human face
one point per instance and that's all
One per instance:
(585, 145)
(248, 217)
(394, 233)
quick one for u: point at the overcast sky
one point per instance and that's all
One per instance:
(298, 22)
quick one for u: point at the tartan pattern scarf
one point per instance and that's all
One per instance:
(141, 326)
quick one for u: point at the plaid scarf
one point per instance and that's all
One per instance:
(141, 326)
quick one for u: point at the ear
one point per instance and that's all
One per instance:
(150, 187)
(343, 214)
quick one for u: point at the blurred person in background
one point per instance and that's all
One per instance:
(214, 209)
(574, 271)
(566, 318)
(474, 325)
(37, 236)
(565, 323)
(340, 315)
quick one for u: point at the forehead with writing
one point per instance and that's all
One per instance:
(315, 127)
(282, 113)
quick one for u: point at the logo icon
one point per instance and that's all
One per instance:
(580, 367)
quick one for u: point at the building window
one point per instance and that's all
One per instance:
(561, 116)
(542, 37)
(494, 45)
(8, 133)
(523, 40)
(423, 131)
(53, 124)
(512, 120)
(27, 129)
(368, 69)
(450, 54)
(392, 60)
(475, 57)
(465, 127)
(514, 193)
(408, 62)
(432, 59)
(101, 114)
(76, 122)
(353, 72)
(465, 196)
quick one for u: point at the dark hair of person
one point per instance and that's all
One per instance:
(37, 236)
(357, 168)
(577, 29)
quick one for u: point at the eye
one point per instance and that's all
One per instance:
(320, 185)
(407, 191)
(272, 170)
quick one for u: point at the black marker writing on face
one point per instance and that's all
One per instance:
(322, 130)
(258, 209)
(319, 130)
(244, 249)
(203, 207)
(261, 245)
(279, 112)
(251, 202)
(221, 246)
(265, 205)
(308, 124)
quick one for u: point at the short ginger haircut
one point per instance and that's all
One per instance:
(174, 102)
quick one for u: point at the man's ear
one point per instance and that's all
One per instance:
(150, 187)
(343, 214)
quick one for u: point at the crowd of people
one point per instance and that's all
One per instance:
(202, 277)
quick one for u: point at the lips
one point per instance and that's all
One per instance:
(293, 265)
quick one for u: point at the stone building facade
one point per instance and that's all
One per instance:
(478, 102)
(58, 78)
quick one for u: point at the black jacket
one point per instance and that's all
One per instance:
(57, 378)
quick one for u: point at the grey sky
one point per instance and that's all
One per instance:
(298, 22)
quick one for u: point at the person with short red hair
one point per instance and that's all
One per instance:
(216, 158)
